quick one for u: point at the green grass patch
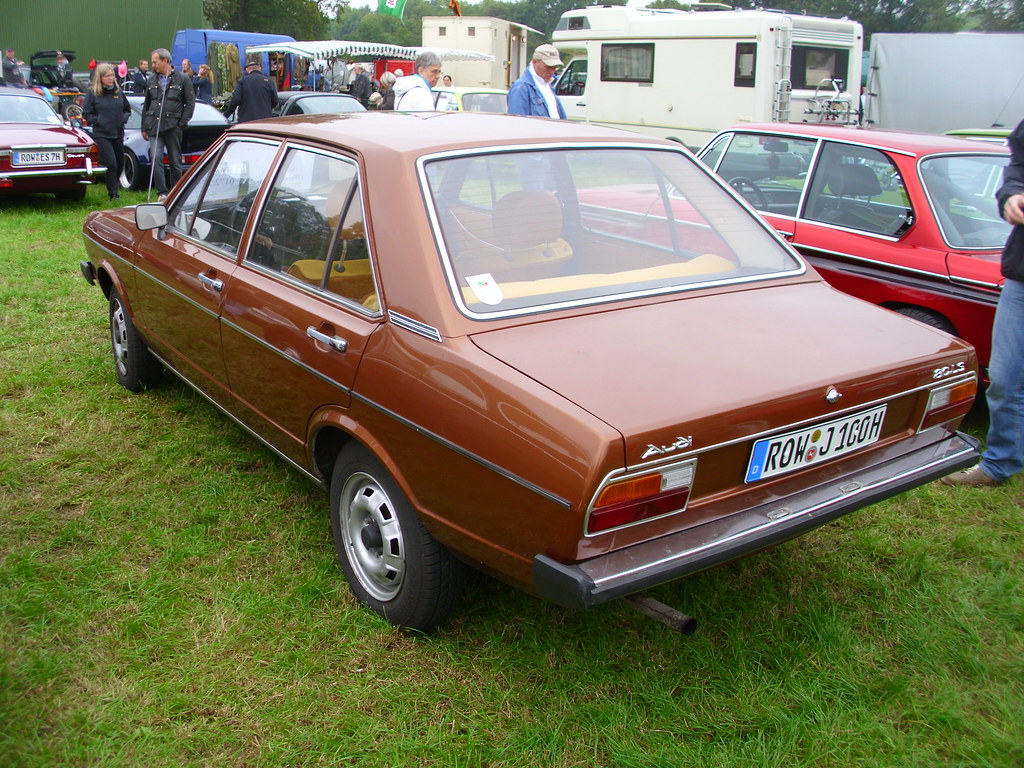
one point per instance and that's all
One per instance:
(169, 597)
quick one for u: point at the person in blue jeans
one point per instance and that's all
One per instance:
(1004, 454)
(531, 94)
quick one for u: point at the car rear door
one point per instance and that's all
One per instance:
(303, 303)
(188, 265)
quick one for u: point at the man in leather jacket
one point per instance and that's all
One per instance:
(167, 108)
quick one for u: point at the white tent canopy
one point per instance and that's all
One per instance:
(355, 49)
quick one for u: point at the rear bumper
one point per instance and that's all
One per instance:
(651, 563)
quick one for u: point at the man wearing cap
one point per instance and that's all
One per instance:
(532, 94)
(255, 96)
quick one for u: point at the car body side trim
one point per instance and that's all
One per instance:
(915, 278)
(268, 346)
(463, 452)
(655, 562)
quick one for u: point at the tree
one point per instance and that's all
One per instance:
(302, 19)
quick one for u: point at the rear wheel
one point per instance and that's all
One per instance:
(391, 562)
(134, 364)
(928, 317)
(130, 176)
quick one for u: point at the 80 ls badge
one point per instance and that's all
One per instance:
(949, 370)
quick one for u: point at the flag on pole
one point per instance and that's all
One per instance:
(391, 7)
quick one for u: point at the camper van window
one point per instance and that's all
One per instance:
(746, 59)
(573, 22)
(628, 63)
(812, 66)
(573, 79)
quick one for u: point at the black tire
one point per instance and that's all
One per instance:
(130, 176)
(392, 563)
(928, 317)
(74, 195)
(134, 364)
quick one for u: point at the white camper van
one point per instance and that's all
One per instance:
(686, 74)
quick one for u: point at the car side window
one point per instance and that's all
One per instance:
(311, 229)
(217, 203)
(768, 171)
(859, 188)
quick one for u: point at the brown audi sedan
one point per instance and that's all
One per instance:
(564, 355)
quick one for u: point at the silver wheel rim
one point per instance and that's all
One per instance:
(372, 537)
(119, 338)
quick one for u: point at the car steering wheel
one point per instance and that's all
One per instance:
(756, 197)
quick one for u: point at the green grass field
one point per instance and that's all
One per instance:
(169, 596)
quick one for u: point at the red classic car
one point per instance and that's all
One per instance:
(495, 342)
(39, 152)
(907, 221)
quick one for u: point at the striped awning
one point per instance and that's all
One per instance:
(355, 49)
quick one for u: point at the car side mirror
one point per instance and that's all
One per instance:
(150, 216)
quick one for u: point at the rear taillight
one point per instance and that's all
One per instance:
(641, 497)
(950, 402)
(94, 153)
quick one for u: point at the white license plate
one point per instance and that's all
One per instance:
(39, 157)
(796, 450)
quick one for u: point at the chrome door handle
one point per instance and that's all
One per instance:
(336, 343)
(211, 282)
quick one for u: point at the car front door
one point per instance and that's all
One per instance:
(189, 264)
(304, 301)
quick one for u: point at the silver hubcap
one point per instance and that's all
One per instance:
(372, 536)
(119, 338)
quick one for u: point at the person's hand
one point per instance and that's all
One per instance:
(145, 136)
(1013, 211)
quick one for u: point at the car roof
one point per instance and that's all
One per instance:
(460, 89)
(25, 92)
(304, 94)
(418, 133)
(910, 143)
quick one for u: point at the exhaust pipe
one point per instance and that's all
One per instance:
(666, 614)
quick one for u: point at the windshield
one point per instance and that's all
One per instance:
(480, 102)
(536, 230)
(316, 105)
(961, 190)
(26, 109)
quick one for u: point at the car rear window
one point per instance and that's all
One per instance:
(525, 231)
(961, 191)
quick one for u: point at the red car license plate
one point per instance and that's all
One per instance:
(39, 157)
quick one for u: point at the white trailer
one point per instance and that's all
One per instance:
(686, 74)
(937, 82)
(507, 42)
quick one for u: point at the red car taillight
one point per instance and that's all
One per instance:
(94, 153)
(641, 497)
(947, 403)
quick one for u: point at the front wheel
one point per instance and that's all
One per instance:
(134, 364)
(392, 563)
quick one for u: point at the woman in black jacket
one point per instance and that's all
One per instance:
(106, 110)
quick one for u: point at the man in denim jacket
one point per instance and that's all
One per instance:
(1004, 454)
(531, 94)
